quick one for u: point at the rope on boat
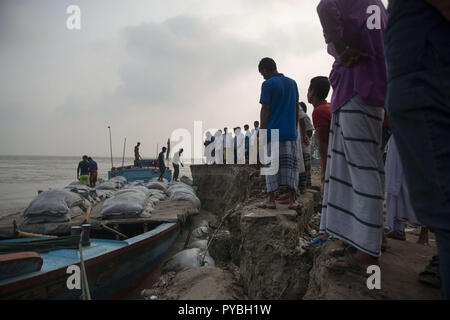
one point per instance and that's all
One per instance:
(214, 234)
(86, 295)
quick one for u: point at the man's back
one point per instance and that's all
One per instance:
(161, 159)
(93, 166)
(84, 167)
(281, 94)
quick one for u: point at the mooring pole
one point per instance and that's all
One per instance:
(123, 157)
(110, 146)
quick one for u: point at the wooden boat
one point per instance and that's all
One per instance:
(112, 266)
(148, 171)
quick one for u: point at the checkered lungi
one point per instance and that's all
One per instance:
(304, 178)
(288, 170)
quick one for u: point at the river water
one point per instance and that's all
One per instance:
(22, 176)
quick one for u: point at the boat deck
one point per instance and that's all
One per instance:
(166, 211)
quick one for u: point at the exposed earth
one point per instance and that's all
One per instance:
(262, 253)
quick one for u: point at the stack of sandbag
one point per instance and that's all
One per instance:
(127, 203)
(158, 185)
(88, 193)
(183, 191)
(113, 184)
(156, 196)
(54, 205)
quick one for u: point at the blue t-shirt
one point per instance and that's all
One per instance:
(93, 166)
(281, 94)
(83, 168)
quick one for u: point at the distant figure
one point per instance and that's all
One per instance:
(239, 155)
(399, 210)
(279, 100)
(254, 144)
(176, 161)
(218, 147)
(225, 133)
(137, 156)
(248, 135)
(161, 163)
(208, 141)
(302, 140)
(93, 170)
(83, 171)
(305, 177)
(317, 94)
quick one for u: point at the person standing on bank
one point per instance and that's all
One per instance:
(279, 101)
(93, 171)
(83, 171)
(418, 106)
(317, 94)
(161, 163)
(176, 162)
(352, 207)
(137, 156)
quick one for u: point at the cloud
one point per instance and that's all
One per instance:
(178, 59)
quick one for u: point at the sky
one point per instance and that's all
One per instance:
(144, 68)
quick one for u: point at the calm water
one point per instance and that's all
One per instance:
(22, 176)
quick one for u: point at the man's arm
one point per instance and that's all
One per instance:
(264, 115)
(443, 6)
(323, 135)
(303, 131)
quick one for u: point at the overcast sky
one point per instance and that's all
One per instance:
(143, 67)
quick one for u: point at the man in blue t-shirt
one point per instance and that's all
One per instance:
(279, 100)
(161, 164)
(83, 171)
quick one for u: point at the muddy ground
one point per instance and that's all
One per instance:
(262, 253)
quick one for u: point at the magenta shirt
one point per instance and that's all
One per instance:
(347, 20)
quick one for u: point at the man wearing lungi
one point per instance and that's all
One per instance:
(279, 100)
(354, 178)
(418, 106)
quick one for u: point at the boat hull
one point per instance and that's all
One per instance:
(134, 174)
(109, 275)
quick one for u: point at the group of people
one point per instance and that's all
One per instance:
(232, 150)
(383, 81)
(87, 171)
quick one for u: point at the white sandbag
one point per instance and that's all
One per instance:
(142, 189)
(107, 185)
(125, 203)
(53, 201)
(201, 244)
(181, 191)
(201, 232)
(158, 185)
(187, 181)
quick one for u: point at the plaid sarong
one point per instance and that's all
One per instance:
(304, 178)
(287, 167)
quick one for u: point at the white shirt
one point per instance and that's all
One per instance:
(176, 158)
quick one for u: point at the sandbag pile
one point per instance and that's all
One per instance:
(54, 205)
(158, 185)
(127, 203)
(113, 184)
(183, 191)
(88, 193)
